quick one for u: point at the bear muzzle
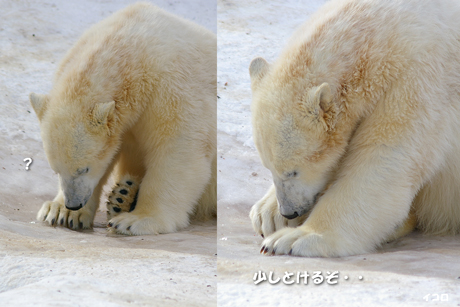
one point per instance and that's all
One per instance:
(290, 210)
(292, 216)
(76, 198)
(77, 191)
(75, 204)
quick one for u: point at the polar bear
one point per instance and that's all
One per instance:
(135, 96)
(358, 121)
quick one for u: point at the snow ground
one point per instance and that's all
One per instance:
(45, 266)
(400, 274)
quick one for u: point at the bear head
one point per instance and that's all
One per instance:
(294, 130)
(77, 143)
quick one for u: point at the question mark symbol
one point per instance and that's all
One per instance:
(28, 163)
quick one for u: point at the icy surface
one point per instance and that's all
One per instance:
(400, 274)
(45, 266)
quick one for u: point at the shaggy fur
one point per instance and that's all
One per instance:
(358, 121)
(135, 94)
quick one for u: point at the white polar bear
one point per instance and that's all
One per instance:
(137, 92)
(359, 123)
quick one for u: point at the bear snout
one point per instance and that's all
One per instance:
(292, 216)
(75, 203)
(74, 208)
(292, 201)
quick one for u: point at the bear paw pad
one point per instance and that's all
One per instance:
(123, 197)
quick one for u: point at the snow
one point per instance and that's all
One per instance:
(401, 273)
(46, 266)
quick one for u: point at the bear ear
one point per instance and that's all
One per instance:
(257, 70)
(39, 102)
(323, 96)
(319, 104)
(102, 112)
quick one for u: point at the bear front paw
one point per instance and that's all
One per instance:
(133, 224)
(266, 218)
(56, 214)
(303, 241)
(294, 241)
(123, 197)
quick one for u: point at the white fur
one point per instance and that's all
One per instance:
(383, 141)
(136, 94)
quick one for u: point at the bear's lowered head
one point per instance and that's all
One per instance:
(294, 124)
(78, 142)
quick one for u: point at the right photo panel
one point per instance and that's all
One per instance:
(338, 153)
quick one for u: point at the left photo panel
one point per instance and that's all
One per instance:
(108, 153)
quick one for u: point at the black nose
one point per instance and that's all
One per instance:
(292, 216)
(75, 208)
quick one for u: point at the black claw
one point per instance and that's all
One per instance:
(110, 224)
(119, 200)
(262, 249)
(81, 225)
(274, 251)
(45, 217)
(290, 252)
(133, 205)
(62, 221)
(266, 250)
(123, 191)
(129, 228)
(71, 224)
(262, 235)
(52, 221)
(116, 227)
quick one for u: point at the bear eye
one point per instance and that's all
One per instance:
(82, 171)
